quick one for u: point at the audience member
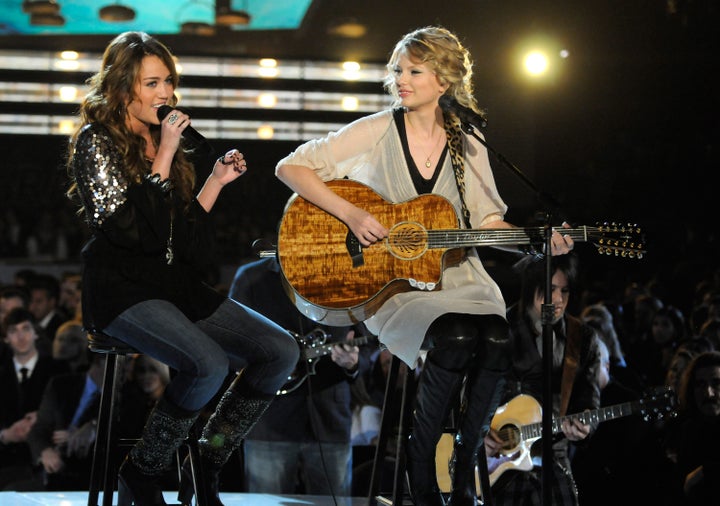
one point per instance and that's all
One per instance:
(23, 378)
(143, 387)
(599, 317)
(22, 277)
(70, 345)
(639, 313)
(44, 292)
(70, 295)
(12, 297)
(305, 431)
(650, 356)
(63, 436)
(698, 449)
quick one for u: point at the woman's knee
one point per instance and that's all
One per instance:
(494, 350)
(285, 350)
(459, 339)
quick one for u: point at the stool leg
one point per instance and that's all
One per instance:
(484, 492)
(102, 448)
(404, 424)
(381, 447)
(110, 481)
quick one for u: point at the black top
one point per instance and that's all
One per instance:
(124, 261)
(421, 184)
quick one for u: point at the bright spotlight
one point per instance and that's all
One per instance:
(536, 63)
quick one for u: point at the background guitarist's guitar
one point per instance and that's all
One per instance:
(332, 279)
(313, 347)
(519, 424)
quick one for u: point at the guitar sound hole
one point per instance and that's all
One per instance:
(510, 436)
(408, 240)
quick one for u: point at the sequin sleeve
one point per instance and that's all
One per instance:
(96, 166)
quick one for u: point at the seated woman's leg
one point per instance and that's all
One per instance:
(267, 354)
(158, 329)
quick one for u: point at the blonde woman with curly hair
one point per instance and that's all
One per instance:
(411, 149)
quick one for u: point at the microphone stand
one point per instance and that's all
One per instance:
(547, 311)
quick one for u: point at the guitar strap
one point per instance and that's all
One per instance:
(455, 148)
(570, 365)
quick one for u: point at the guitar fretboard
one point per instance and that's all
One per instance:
(459, 238)
(317, 350)
(534, 430)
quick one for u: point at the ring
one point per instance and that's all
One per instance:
(172, 119)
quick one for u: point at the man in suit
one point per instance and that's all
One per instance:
(23, 376)
(307, 429)
(63, 436)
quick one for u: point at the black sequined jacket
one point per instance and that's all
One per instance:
(125, 260)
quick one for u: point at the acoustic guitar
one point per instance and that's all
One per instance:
(519, 425)
(333, 279)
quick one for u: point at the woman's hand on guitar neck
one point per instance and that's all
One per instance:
(561, 244)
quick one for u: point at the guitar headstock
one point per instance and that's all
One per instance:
(627, 241)
(658, 404)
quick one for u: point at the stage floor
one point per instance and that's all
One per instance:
(229, 499)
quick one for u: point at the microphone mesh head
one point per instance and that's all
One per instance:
(163, 111)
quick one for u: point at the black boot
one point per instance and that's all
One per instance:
(483, 391)
(238, 410)
(138, 477)
(437, 389)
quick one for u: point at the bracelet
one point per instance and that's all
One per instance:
(166, 186)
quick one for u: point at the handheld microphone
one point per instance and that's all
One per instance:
(192, 135)
(466, 115)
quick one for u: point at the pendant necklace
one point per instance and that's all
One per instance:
(169, 254)
(427, 160)
(428, 163)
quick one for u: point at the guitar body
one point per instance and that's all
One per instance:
(508, 420)
(331, 279)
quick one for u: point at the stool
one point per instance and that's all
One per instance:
(398, 495)
(103, 475)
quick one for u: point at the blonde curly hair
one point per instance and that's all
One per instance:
(443, 52)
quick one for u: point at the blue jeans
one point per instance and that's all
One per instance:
(271, 467)
(204, 352)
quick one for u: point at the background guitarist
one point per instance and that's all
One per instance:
(412, 149)
(576, 360)
(307, 431)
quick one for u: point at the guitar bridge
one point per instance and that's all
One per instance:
(354, 249)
